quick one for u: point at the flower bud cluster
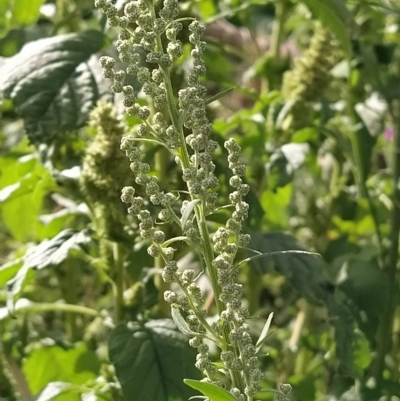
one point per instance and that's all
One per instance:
(141, 27)
(227, 240)
(309, 78)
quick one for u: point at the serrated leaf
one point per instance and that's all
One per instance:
(50, 252)
(212, 391)
(336, 17)
(151, 360)
(187, 212)
(54, 83)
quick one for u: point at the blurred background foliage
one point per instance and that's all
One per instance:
(315, 107)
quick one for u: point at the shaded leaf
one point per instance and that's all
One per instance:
(151, 361)
(54, 83)
(304, 273)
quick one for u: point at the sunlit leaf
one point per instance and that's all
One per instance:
(54, 83)
(212, 391)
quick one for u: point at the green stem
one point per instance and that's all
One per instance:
(69, 291)
(119, 281)
(162, 286)
(387, 318)
(277, 30)
(208, 253)
(56, 307)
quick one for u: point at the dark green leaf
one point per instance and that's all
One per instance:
(335, 16)
(366, 286)
(151, 361)
(212, 391)
(304, 273)
(54, 83)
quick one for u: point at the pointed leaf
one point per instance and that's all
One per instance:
(151, 360)
(264, 333)
(187, 212)
(180, 322)
(54, 83)
(212, 391)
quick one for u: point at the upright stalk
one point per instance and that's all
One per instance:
(277, 29)
(387, 318)
(119, 282)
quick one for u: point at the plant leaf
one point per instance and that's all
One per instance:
(187, 212)
(304, 273)
(75, 366)
(264, 333)
(336, 17)
(212, 391)
(54, 83)
(50, 252)
(151, 360)
(25, 12)
(180, 322)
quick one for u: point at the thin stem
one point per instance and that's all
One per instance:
(277, 29)
(386, 323)
(56, 307)
(119, 281)
(208, 253)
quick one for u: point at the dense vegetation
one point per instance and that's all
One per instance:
(309, 90)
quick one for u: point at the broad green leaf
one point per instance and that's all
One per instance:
(50, 252)
(54, 364)
(151, 360)
(25, 183)
(304, 273)
(367, 287)
(275, 205)
(9, 269)
(54, 83)
(25, 12)
(335, 16)
(212, 391)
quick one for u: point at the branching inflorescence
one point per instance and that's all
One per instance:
(179, 123)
